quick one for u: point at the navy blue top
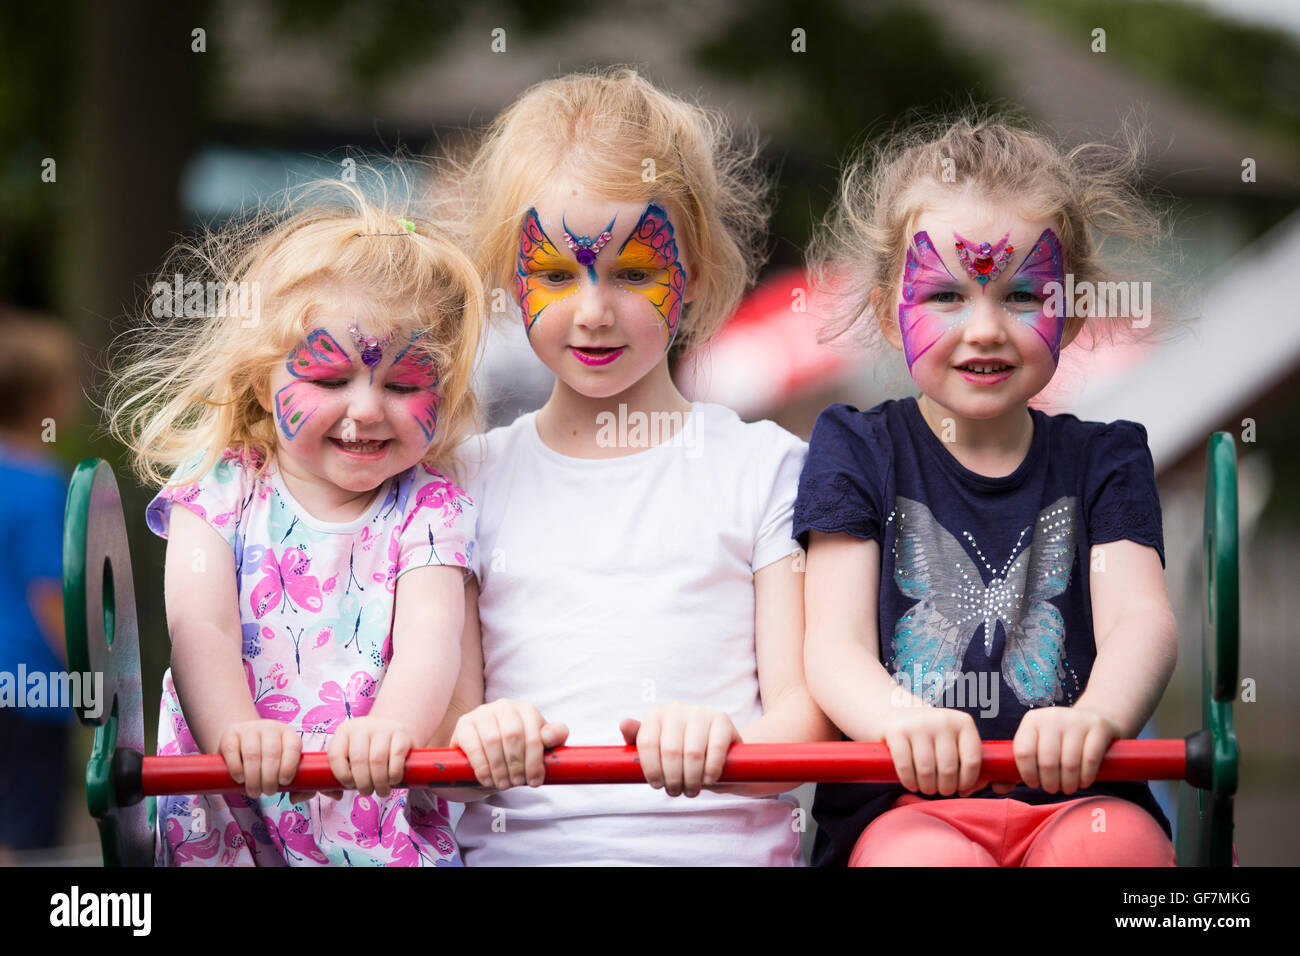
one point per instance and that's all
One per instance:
(984, 599)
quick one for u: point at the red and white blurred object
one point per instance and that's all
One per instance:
(767, 354)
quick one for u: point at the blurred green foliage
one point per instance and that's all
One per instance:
(1250, 73)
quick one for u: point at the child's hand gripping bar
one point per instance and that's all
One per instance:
(838, 762)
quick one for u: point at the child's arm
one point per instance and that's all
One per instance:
(789, 711)
(369, 753)
(203, 620)
(1060, 748)
(934, 749)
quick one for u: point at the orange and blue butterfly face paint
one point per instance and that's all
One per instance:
(652, 249)
(417, 370)
(538, 258)
(1044, 265)
(319, 358)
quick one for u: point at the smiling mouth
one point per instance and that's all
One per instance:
(597, 356)
(985, 368)
(361, 447)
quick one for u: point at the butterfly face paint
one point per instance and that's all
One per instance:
(1044, 264)
(417, 369)
(651, 249)
(538, 257)
(318, 358)
(924, 276)
(586, 249)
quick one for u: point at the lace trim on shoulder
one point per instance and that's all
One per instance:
(833, 503)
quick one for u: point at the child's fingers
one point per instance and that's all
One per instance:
(513, 744)
(398, 749)
(554, 734)
(359, 761)
(290, 756)
(721, 735)
(695, 750)
(671, 743)
(945, 762)
(230, 750)
(629, 727)
(1095, 745)
(971, 754)
(1071, 759)
(377, 761)
(900, 749)
(271, 750)
(534, 751)
(338, 755)
(1024, 747)
(250, 744)
(647, 749)
(467, 739)
(1049, 760)
(923, 760)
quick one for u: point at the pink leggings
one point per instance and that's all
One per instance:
(1092, 831)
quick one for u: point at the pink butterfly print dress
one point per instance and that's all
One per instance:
(316, 608)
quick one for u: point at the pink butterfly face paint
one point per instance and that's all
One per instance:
(921, 321)
(1044, 264)
(416, 377)
(318, 358)
(648, 264)
(538, 259)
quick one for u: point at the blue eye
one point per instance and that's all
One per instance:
(1024, 297)
(946, 298)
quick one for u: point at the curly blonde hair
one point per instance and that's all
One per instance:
(609, 129)
(192, 385)
(1089, 192)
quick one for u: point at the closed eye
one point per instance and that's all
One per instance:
(403, 388)
(330, 383)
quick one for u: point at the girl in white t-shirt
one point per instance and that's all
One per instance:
(637, 573)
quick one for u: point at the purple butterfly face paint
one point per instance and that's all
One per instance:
(1045, 264)
(925, 276)
(318, 358)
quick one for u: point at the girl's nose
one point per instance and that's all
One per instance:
(365, 400)
(985, 323)
(594, 309)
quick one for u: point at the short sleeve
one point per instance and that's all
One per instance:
(779, 482)
(439, 526)
(840, 488)
(1120, 498)
(218, 498)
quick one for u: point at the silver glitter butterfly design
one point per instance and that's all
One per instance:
(932, 637)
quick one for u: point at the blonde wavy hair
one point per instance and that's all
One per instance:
(605, 128)
(1089, 192)
(187, 386)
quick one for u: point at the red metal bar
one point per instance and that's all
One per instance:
(838, 762)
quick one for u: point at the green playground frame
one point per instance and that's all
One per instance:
(102, 635)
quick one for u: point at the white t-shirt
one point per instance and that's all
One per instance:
(612, 585)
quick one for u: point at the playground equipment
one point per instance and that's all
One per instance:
(122, 783)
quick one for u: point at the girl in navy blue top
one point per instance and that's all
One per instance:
(978, 569)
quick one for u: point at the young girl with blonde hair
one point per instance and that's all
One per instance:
(978, 569)
(298, 390)
(635, 548)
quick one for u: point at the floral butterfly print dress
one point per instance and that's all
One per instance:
(316, 610)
